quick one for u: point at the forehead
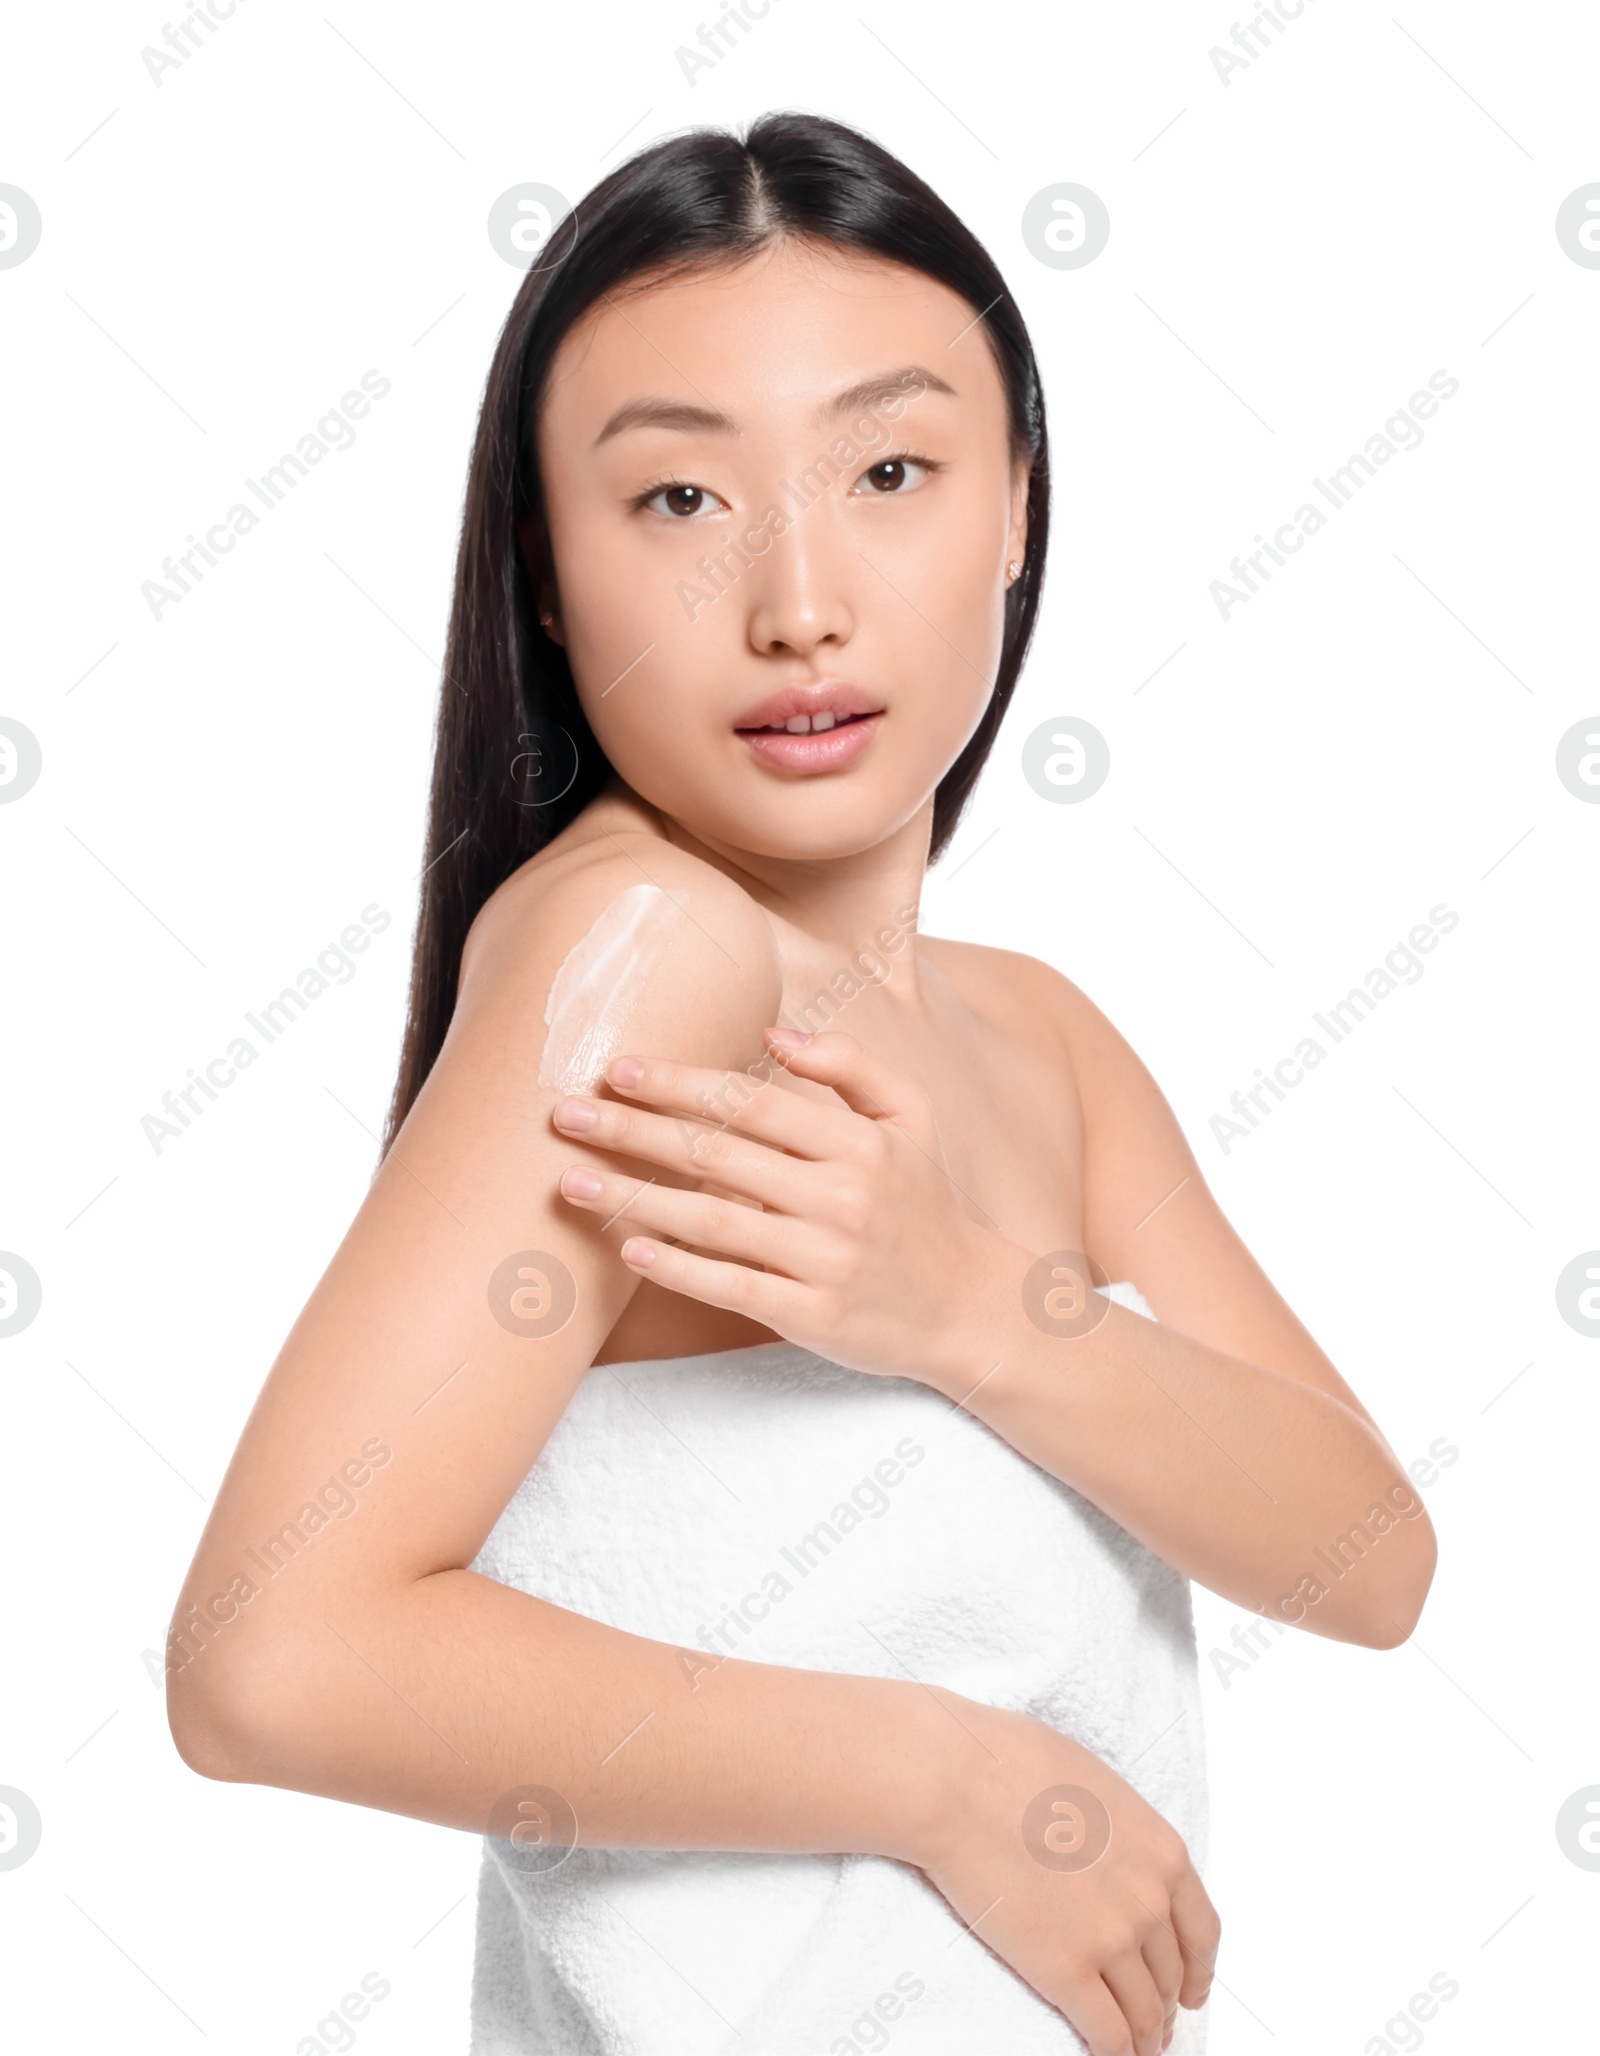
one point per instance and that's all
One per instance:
(772, 335)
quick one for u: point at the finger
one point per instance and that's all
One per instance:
(684, 1146)
(1128, 1979)
(1164, 1960)
(776, 1302)
(724, 1226)
(1097, 2017)
(862, 1079)
(1199, 1933)
(744, 1099)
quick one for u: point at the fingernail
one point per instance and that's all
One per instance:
(626, 1071)
(575, 1113)
(790, 1038)
(581, 1184)
(639, 1254)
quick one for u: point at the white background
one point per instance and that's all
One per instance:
(224, 790)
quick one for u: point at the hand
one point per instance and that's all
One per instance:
(1087, 1893)
(867, 1251)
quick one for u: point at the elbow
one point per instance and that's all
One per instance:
(203, 1744)
(1394, 1628)
(1397, 1606)
(213, 1717)
(203, 1733)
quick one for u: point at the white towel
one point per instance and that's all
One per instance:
(673, 1492)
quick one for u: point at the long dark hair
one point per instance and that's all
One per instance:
(704, 197)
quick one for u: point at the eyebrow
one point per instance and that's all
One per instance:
(653, 411)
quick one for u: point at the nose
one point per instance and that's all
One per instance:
(803, 590)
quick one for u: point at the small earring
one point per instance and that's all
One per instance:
(545, 620)
(1013, 572)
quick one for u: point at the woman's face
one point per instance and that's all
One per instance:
(781, 498)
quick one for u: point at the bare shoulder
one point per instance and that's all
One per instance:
(1023, 992)
(995, 983)
(1148, 1212)
(1134, 1148)
(696, 952)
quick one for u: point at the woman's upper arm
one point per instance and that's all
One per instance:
(411, 1343)
(1150, 1216)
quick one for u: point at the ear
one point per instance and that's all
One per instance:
(1017, 537)
(533, 543)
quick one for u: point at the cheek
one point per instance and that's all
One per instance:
(946, 660)
(950, 568)
(975, 583)
(641, 627)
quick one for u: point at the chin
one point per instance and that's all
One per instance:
(809, 821)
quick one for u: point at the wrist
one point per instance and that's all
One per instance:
(1053, 1346)
(945, 1748)
(971, 1337)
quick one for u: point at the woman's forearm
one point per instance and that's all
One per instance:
(1257, 1484)
(442, 1698)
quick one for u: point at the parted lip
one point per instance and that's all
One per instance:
(822, 696)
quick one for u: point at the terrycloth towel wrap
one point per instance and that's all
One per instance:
(769, 1504)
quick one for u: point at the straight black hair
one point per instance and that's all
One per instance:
(705, 198)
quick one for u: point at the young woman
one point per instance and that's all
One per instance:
(749, 1512)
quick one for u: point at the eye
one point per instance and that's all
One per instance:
(683, 502)
(890, 475)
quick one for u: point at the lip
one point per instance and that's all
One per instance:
(829, 751)
(819, 696)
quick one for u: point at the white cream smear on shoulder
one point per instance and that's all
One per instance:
(598, 986)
